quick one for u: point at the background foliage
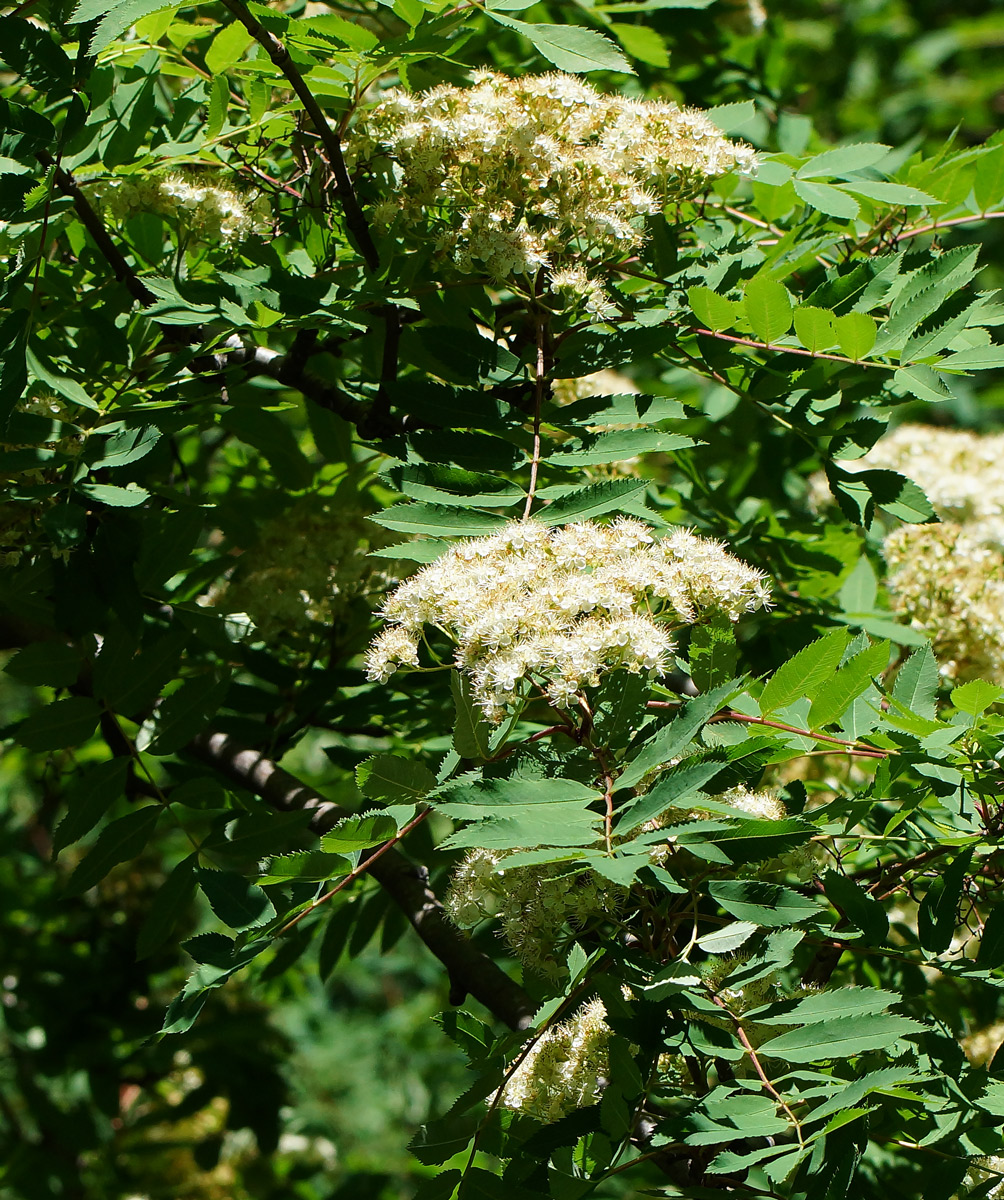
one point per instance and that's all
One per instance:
(201, 419)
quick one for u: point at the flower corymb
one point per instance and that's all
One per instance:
(554, 609)
(514, 175)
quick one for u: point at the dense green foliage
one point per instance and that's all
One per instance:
(283, 333)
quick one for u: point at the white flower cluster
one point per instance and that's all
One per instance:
(564, 1069)
(208, 214)
(947, 579)
(307, 566)
(537, 172)
(533, 904)
(559, 608)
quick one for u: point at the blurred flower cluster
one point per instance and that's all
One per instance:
(557, 608)
(948, 579)
(532, 904)
(206, 213)
(307, 567)
(542, 172)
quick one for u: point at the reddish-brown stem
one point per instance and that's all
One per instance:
(755, 345)
(290, 191)
(729, 714)
(360, 869)
(934, 226)
(748, 1047)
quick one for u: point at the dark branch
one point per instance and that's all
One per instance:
(290, 369)
(90, 220)
(355, 221)
(469, 970)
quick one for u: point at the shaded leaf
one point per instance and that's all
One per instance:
(121, 840)
(235, 900)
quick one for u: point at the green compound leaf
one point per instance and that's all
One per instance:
(827, 1006)
(976, 696)
(676, 735)
(806, 672)
(13, 360)
(510, 814)
(717, 312)
(398, 780)
(169, 906)
(713, 653)
(437, 520)
(570, 47)
(45, 664)
(643, 43)
(471, 732)
(853, 678)
(988, 189)
(855, 334)
(938, 915)
(593, 500)
(768, 308)
(359, 833)
(858, 907)
(119, 19)
(618, 445)
(978, 358)
(829, 200)
(96, 791)
(310, 865)
(916, 686)
(814, 327)
(840, 1038)
(889, 193)
(63, 723)
(767, 904)
(991, 952)
(227, 48)
(842, 160)
(921, 381)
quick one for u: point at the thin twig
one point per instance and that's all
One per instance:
(748, 1046)
(935, 226)
(538, 403)
(729, 714)
(361, 868)
(755, 345)
(90, 220)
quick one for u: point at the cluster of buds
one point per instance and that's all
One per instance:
(556, 609)
(511, 176)
(533, 905)
(205, 213)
